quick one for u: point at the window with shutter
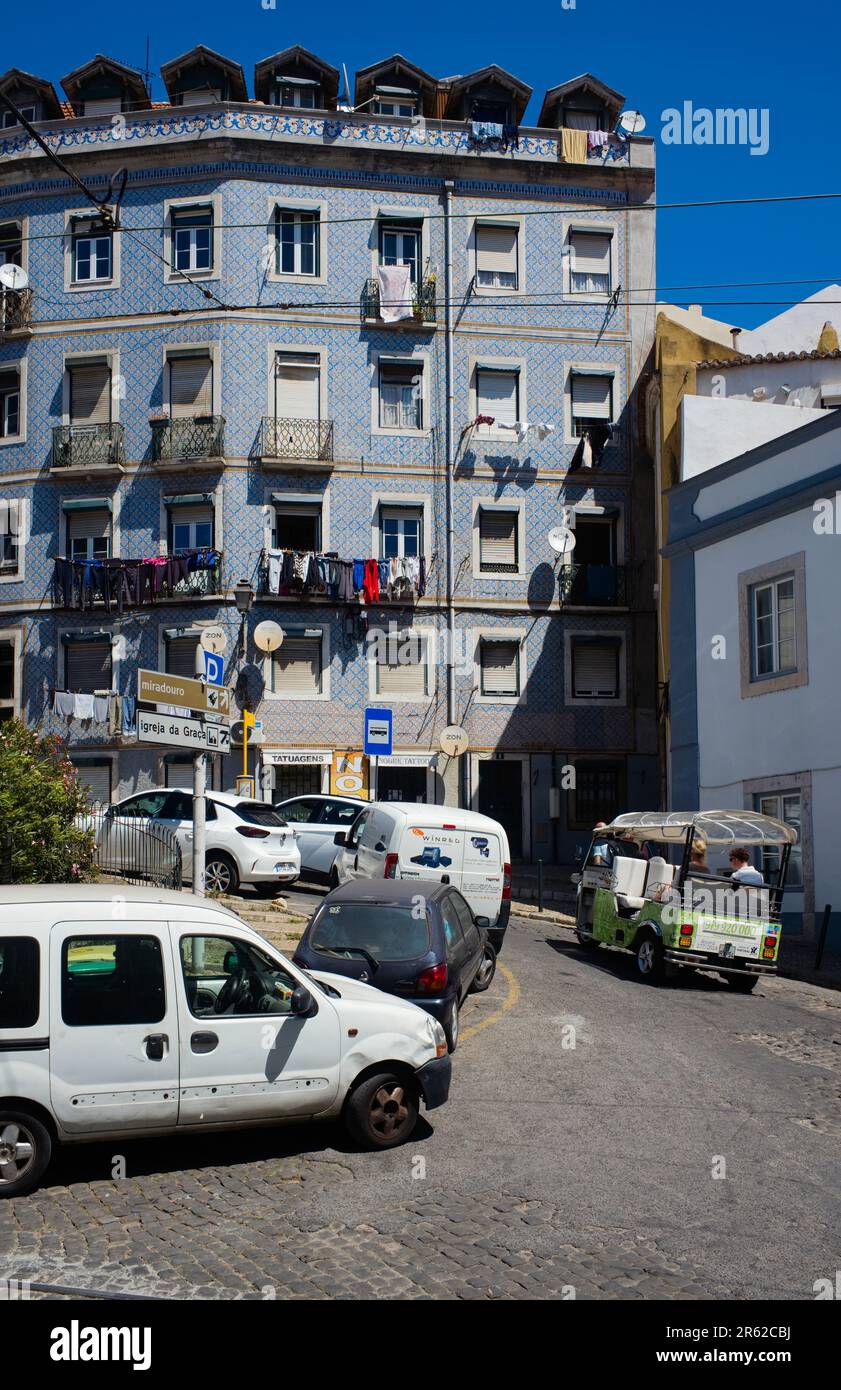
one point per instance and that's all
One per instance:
(496, 257)
(11, 518)
(9, 404)
(500, 668)
(297, 667)
(88, 667)
(190, 385)
(104, 106)
(590, 270)
(179, 773)
(592, 401)
(90, 394)
(403, 669)
(89, 534)
(595, 670)
(96, 779)
(497, 395)
(181, 656)
(297, 386)
(498, 541)
(401, 395)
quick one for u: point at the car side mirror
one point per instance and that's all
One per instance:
(483, 922)
(340, 838)
(301, 1001)
(575, 878)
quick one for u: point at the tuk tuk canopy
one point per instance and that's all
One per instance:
(715, 827)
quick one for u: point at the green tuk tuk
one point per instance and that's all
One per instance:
(670, 909)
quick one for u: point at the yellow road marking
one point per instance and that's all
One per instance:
(506, 1006)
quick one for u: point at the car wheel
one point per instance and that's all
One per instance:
(485, 973)
(25, 1149)
(650, 963)
(451, 1028)
(744, 984)
(382, 1112)
(221, 874)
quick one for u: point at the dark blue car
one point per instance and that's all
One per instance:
(412, 938)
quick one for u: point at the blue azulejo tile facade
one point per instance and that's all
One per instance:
(220, 389)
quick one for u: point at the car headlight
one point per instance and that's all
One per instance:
(437, 1036)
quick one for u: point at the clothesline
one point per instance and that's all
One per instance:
(125, 583)
(311, 572)
(108, 708)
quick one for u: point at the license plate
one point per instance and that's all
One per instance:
(726, 949)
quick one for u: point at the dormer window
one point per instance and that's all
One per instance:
(494, 112)
(10, 120)
(395, 101)
(302, 93)
(575, 117)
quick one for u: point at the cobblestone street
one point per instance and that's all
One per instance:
(555, 1171)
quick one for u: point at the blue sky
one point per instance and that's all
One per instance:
(726, 53)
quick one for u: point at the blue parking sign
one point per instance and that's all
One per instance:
(214, 668)
(378, 730)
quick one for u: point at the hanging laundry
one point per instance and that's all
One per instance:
(544, 430)
(83, 707)
(371, 582)
(396, 299)
(128, 714)
(482, 131)
(100, 709)
(573, 146)
(115, 715)
(596, 140)
(520, 428)
(358, 576)
(64, 704)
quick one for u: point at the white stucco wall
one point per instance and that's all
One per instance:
(797, 329)
(804, 379)
(715, 429)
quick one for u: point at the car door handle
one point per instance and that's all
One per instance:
(204, 1042)
(156, 1045)
(445, 878)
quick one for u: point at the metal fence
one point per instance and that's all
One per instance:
(423, 300)
(133, 848)
(296, 439)
(88, 446)
(188, 437)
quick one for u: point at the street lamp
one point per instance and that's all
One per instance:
(243, 598)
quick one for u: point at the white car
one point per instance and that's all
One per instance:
(316, 820)
(247, 840)
(178, 1018)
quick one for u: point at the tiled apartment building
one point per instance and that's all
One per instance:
(224, 382)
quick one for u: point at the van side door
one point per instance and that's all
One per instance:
(245, 1055)
(114, 1061)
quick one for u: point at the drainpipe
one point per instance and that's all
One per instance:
(450, 457)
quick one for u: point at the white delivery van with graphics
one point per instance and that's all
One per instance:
(393, 839)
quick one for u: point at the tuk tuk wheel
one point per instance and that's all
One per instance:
(650, 964)
(745, 984)
(584, 940)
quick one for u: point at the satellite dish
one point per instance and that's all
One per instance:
(13, 278)
(268, 636)
(632, 122)
(561, 540)
(454, 740)
(214, 639)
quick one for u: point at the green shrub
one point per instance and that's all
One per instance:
(43, 838)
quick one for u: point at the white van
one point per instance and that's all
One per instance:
(394, 839)
(140, 1012)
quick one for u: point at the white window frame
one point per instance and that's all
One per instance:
(279, 695)
(606, 369)
(772, 585)
(21, 366)
(500, 634)
(274, 498)
(499, 220)
(582, 228)
(8, 121)
(502, 364)
(408, 215)
(402, 501)
(315, 207)
(22, 222)
(497, 504)
(213, 203)
(71, 284)
(9, 576)
(82, 359)
(314, 90)
(386, 359)
(427, 636)
(620, 700)
(14, 636)
(787, 567)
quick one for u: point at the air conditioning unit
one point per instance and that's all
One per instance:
(237, 733)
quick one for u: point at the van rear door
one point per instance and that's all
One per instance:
(482, 874)
(113, 1026)
(431, 851)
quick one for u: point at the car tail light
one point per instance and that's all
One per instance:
(433, 980)
(506, 883)
(390, 870)
(252, 832)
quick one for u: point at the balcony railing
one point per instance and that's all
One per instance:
(200, 584)
(88, 446)
(594, 586)
(423, 297)
(15, 310)
(192, 437)
(296, 439)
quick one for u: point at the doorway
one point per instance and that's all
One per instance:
(501, 798)
(401, 784)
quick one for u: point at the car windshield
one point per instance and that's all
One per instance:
(259, 813)
(383, 932)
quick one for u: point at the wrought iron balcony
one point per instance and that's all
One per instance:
(88, 446)
(423, 300)
(200, 583)
(296, 439)
(15, 310)
(188, 438)
(594, 586)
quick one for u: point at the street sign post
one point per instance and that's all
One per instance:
(157, 688)
(177, 731)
